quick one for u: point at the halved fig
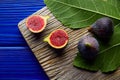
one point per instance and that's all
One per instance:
(57, 39)
(36, 23)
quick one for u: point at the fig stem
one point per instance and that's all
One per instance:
(46, 39)
(89, 29)
(87, 44)
(46, 17)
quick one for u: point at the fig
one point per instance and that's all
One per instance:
(88, 47)
(36, 23)
(57, 39)
(102, 28)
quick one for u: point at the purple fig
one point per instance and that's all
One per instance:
(88, 47)
(102, 28)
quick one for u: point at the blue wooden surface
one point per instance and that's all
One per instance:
(17, 62)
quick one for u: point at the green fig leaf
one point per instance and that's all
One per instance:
(82, 13)
(108, 58)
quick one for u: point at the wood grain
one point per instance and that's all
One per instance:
(58, 64)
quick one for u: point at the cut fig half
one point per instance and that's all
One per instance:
(36, 23)
(57, 39)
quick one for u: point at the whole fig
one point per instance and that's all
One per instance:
(88, 47)
(102, 28)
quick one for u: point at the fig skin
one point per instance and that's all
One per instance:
(36, 21)
(102, 28)
(47, 39)
(88, 47)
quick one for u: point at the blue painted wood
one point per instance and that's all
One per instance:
(17, 62)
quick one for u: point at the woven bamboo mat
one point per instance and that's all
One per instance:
(58, 64)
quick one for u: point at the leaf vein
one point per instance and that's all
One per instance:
(70, 15)
(87, 10)
(84, 19)
(109, 48)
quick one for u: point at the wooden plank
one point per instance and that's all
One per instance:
(58, 64)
